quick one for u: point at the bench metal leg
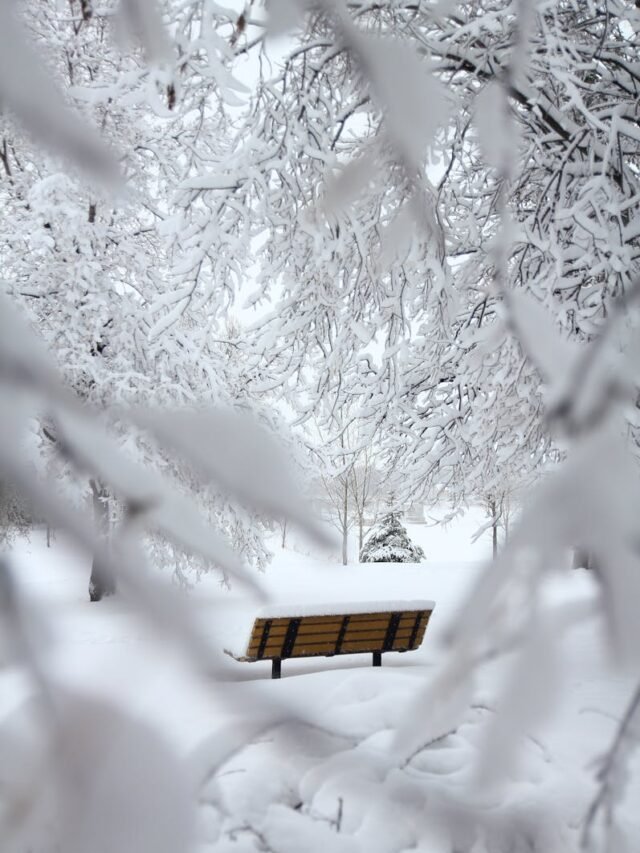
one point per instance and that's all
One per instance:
(377, 658)
(275, 668)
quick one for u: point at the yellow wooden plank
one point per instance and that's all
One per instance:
(328, 629)
(361, 646)
(301, 650)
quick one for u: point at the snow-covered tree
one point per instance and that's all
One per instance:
(341, 449)
(520, 176)
(96, 270)
(15, 518)
(389, 542)
(383, 271)
(364, 486)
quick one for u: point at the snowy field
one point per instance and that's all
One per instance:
(326, 778)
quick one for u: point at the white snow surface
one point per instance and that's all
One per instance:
(335, 608)
(307, 763)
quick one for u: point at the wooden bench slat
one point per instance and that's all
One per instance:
(336, 618)
(282, 621)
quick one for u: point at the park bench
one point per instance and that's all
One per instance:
(328, 630)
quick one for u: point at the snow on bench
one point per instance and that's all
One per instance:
(325, 630)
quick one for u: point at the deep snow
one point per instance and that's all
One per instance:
(326, 783)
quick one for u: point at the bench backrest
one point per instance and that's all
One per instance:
(340, 634)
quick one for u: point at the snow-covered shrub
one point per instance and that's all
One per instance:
(389, 543)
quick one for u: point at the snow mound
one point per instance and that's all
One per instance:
(342, 608)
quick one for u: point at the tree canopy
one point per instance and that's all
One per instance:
(425, 215)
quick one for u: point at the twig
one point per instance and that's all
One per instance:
(616, 755)
(427, 745)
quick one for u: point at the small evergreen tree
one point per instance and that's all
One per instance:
(390, 543)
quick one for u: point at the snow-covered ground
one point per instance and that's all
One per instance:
(322, 776)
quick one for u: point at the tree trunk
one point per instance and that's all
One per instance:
(582, 559)
(494, 528)
(284, 534)
(102, 583)
(345, 524)
(360, 535)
